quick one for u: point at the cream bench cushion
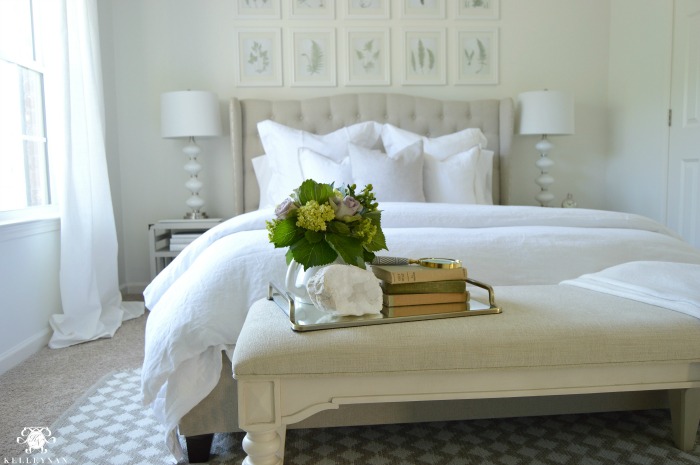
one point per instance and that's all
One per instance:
(541, 326)
(550, 340)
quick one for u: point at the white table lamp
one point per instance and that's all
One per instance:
(188, 114)
(545, 112)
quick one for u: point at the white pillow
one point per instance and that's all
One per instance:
(323, 169)
(263, 173)
(282, 143)
(484, 178)
(396, 178)
(394, 139)
(452, 180)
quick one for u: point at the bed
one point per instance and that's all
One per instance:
(199, 302)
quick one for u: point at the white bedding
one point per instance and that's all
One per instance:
(199, 302)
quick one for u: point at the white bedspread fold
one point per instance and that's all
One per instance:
(671, 285)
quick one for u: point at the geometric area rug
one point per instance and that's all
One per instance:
(109, 426)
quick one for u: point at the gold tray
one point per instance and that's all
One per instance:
(307, 317)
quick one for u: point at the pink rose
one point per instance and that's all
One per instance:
(282, 210)
(344, 208)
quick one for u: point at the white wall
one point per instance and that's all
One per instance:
(155, 46)
(29, 288)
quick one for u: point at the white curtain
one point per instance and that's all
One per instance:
(89, 283)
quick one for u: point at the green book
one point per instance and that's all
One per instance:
(424, 287)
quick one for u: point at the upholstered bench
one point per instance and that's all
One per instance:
(549, 340)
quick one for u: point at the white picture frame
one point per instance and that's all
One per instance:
(313, 56)
(258, 9)
(424, 56)
(259, 57)
(423, 9)
(477, 56)
(312, 9)
(478, 9)
(367, 9)
(368, 57)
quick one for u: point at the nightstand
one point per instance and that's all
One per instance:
(167, 238)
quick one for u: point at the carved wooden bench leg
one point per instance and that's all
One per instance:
(685, 416)
(199, 448)
(262, 448)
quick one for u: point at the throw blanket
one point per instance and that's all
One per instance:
(675, 286)
(199, 302)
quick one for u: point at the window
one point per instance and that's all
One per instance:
(24, 168)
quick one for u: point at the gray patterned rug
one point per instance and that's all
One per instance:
(108, 426)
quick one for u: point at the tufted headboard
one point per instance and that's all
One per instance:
(425, 116)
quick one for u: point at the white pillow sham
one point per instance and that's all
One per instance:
(323, 169)
(263, 174)
(452, 180)
(394, 139)
(484, 178)
(395, 178)
(282, 144)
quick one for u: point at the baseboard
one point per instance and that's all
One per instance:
(21, 352)
(133, 288)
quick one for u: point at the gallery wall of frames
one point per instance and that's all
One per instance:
(317, 43)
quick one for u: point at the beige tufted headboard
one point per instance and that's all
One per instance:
(426, 116)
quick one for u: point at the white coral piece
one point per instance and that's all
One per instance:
(345, 290)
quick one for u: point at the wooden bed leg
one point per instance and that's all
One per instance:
(199, 448)
(263, 447)
(685, 415)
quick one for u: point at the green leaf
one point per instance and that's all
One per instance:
(349, 248)
(313, 236)
(338, 227)
(378, 242)
(307, 254)
(431, 59)
(286, 233)
(311, 190)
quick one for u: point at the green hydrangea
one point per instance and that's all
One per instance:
(313, 216)
(365, 230)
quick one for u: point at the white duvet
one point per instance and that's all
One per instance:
(199, 302)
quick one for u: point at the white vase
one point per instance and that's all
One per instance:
(296, 280)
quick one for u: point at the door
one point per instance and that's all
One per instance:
(684, 146)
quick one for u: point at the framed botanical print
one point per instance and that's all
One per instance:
(477, 56)
(259, 57)
(258, 9)
(478, 9)
(367, 9)
(368, 57)
(313, 57)
(424, 57)
(312, 9)
(423, 9)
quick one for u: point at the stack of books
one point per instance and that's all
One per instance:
(411, 290)
(180, 240)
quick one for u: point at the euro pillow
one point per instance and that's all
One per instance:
(282, 144)
(453, 179)
(395, 178)
(323, 169)
(394, 139)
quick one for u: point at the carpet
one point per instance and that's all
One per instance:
(109, 426)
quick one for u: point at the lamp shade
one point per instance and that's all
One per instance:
(190, 113)
(546, 112)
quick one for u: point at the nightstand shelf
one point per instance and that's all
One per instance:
(166, 236)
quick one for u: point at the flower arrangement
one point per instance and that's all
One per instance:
(320, 223)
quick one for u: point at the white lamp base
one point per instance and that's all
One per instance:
(544, 180)
(195, 202)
